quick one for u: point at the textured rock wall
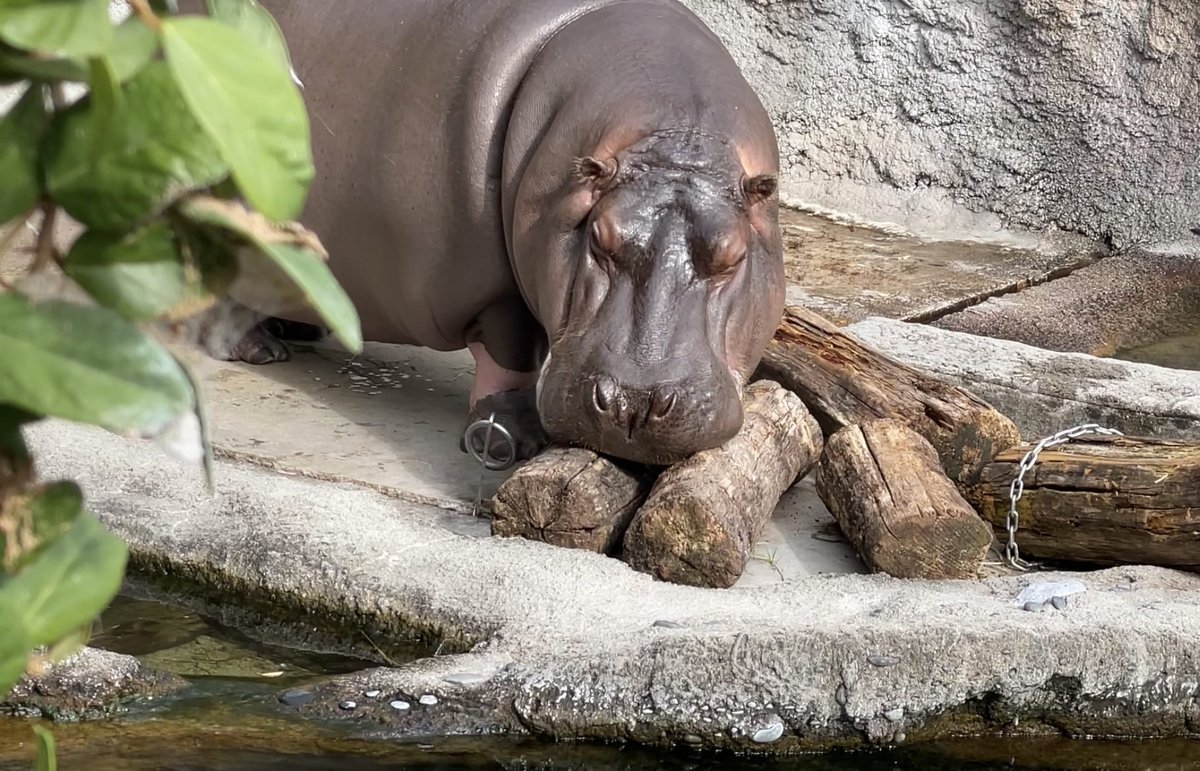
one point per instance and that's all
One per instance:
(1074, 114)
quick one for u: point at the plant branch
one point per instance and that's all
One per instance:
(146, 14)
(45, 242)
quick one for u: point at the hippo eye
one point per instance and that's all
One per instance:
(595, 242)
(726, 260)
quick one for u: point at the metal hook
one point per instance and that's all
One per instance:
(486, 462)
(485, 458)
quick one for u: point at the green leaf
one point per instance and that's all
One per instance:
(57, 27)
(15, 646)
(69, 583)
(282, 271)
(132, 49)
(158, 154)
(47, 758)
(25, 66)
(88, 365)
(254, 21)
(139, 275)
(249, 106)
(40, 519)
(106, 101)
(20, 132)
(14, 453)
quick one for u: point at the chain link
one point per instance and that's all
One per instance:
(1011, 551)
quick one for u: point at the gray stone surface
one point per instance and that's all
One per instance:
(1046, 391)
(1121, 302)
(567, 643)
(935, 114)
(91, 683)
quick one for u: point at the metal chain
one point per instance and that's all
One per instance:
(1011, 552)
(486, 462)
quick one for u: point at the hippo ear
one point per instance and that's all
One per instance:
(759, 187)
(596, 172)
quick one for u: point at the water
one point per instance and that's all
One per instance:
(1180, 352)
(229, 720)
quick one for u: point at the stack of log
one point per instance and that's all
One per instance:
(916, 472)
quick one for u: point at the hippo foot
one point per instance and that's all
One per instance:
(517, 412)
(259, 346)
(300, 331)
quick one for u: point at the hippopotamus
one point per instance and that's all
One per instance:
(582, 193)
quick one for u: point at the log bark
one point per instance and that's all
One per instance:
(703, 516)
(844, 382)
(1102, 501)
(884, 484)
(570, 497)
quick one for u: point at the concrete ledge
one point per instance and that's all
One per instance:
(1046, 391)
(89, 684)
(563, 643)
(1118, 303)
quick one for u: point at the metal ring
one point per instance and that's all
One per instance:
(486, 459)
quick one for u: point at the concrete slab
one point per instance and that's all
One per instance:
(390, 419)
(1045, 391)
(1128, 301)
(563, 643)
(848, 272)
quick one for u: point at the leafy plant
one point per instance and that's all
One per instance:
(184, 158)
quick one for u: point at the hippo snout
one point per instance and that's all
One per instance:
(656, 423)
(631, 409)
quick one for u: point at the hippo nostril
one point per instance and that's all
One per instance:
(604, 394)
(662, 401)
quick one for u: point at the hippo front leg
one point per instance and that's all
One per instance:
(507, 345)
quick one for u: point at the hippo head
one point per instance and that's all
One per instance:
(668, 287)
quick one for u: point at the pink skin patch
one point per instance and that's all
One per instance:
(491, 378)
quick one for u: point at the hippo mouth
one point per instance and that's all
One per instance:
(657, 424)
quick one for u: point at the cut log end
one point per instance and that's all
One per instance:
(883, 483)
(569, 497)
(701, 519)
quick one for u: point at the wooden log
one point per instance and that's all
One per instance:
(844, 382)
(703, 515)
(884, 484)
(570, 497)
(1101, 500)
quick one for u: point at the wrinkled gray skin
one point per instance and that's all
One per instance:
(594, 180)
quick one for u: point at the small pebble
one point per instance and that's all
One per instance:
(1034, 607)
(1059, 603)
(769, 734)
(841, 696)
(348, 705)
(752, 704)
(882, 661)
(666, 624)
(693, 739)
(894, 714)
(647, 711)
(428, 700)
(372, 694)
(296, 697)
(900, 737)
(400, 705)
